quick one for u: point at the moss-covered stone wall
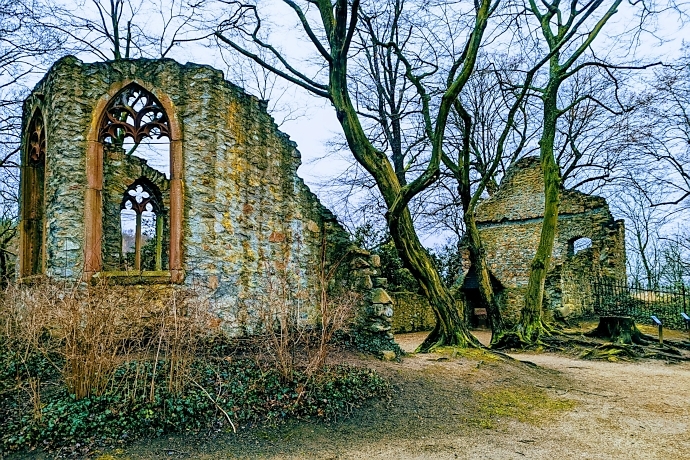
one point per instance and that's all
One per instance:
(510, 225)
(411, 313)
(245, 211)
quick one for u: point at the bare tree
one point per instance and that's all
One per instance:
(580, 24)
(124, 29)
(643, 223)
(667, 137)
(24, 46)
(331, 29)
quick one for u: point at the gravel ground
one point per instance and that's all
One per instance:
(447, 406)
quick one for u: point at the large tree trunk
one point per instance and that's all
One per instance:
(531, 316)
(531, 325)
(450, 329)
(486, 291)
(619, 329)
(530, 319)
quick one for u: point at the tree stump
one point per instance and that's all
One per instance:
(618, 329)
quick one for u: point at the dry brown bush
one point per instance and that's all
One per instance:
(96, 329)
(293, 338)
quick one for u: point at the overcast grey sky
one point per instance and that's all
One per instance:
(317, 123)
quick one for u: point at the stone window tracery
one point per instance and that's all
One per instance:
(33, 186)
(142, 226)
(137, 142)
(37, 139)
(136, 114)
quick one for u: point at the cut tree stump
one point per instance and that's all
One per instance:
(619, 329)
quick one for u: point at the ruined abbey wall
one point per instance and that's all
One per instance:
(245, 212)
(510, 224)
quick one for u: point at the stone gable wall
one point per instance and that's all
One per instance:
(521, 196)
(246, 212)
(510, 225)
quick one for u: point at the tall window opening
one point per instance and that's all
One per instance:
(136, 123)
(33, 186)
(141, 224)
(135, 134)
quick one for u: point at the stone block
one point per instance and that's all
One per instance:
(381, 283)
(380, 296)
(358, 263)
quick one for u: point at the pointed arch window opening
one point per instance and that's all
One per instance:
(141, 219)
(33, 186)
(135, 125)
(136, 122)
(37, 139)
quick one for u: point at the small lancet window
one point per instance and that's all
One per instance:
(142, 227)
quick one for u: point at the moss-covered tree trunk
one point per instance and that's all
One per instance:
(461, 172)
(486, 290)
(338, 21)
(531, 325)
(450, 329)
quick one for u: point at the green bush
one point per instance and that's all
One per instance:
(248, 393)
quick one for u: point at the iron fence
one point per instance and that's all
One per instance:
(612, 298)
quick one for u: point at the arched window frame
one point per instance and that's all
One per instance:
(574, 248)
(32, 230)
(93, 211)
(139, 202)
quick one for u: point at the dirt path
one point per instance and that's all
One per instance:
(478, 407)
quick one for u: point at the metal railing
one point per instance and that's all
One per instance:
(612, 298)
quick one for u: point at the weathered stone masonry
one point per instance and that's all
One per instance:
(234, 207)
(510, 225)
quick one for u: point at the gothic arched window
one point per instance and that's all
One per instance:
(141, 224)
(136, 114)
(33, 185)
(138, 136)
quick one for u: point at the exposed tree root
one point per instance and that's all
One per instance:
(521, 337)
(507, 357)
(612, 352)
(590, 346)
(619, 329)
(438, 338)
(685, 345)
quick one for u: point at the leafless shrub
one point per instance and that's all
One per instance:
(296, 332)
(97, 329)
(90, 334)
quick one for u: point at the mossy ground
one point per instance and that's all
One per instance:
(440, 394)
(475, 354)
(447, 407)
(524, 404)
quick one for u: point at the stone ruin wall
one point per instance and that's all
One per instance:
(510, 225)
(246, 212)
